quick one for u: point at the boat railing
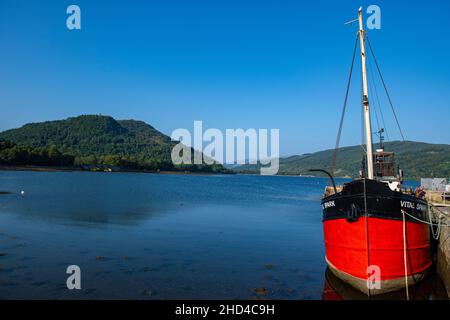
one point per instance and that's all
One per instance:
(407, 191)
(329, 190)
(441, 198)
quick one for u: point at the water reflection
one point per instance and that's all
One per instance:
(150, 236)
(430, 288)
(87, 199)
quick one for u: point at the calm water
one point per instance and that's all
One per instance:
(150, 236)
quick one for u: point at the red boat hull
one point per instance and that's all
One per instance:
(350, 250)
(364, 227)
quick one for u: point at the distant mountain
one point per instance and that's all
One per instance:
(417, 159)
(102, 140)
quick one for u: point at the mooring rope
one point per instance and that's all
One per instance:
(435, 234)
(426, 222)
(438, 229)
(441, 212)
(404, 255)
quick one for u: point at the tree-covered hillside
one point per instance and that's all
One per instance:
(102, 140)
(13, 154)
(417, 159)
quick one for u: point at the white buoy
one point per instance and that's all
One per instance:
(22, 192)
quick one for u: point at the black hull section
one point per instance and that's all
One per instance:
(364, 197)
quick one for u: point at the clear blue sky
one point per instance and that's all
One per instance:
(231, 63)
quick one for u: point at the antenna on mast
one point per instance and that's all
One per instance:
(380, 135)
(350, 22)
(354, 20)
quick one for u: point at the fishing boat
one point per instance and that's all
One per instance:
(375, 231)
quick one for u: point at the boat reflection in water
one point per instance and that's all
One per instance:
(430, 288)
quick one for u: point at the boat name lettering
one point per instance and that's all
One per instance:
(328, 204)
(412, 205)
(407, 204)
(421, 207)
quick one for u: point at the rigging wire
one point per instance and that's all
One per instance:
(377, 99)
(338, 138)
(371, 83)
(373, 102)
(385, 89)
(392, 106)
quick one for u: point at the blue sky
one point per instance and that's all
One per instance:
(231, 64)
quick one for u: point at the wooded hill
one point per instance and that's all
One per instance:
(93, 140)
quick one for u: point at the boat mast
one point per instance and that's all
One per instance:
(369, 151)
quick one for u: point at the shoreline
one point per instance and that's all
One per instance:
(307, 176)
(199, 173)
(75, 169)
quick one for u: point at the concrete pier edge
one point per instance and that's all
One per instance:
(443, 250)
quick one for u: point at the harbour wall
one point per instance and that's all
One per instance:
(443, 249)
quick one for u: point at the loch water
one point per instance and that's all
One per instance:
(161, 236)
